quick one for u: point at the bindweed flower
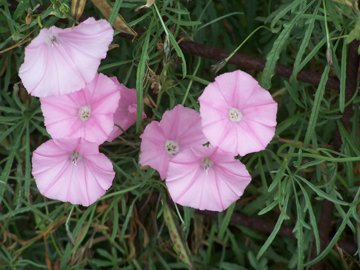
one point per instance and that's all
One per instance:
(178, 129)
(61, 61)
(206, 178)
(88, 113)
(125, 115)
(72, 171)
(237, 114)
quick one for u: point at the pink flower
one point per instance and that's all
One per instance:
(125, 115)
(88, 113)
(72, 171)
(178, 129)
(206, 178)
(237, 115)
(61, 61)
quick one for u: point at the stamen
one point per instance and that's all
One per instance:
(75, 157)
(206, 163)
(171, 147)
(84, 113)
(235, 115)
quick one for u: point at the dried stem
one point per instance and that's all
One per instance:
(253, 63)
(246, 62)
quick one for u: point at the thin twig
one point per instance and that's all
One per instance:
(253, 63)
(246, 62)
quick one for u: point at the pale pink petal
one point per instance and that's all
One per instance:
(213, 188)
(183, 125)
(262, 133)
(101, 98)
(152, 150)
(245, 86)
(65, 118)
(242, 118)
(235, 86)
(179, 129)
(226, 136)
(71, 171)
(263, 114)
(126, 113)
(258, 97)
(214, 98)
(61, 61)
(98, 128)
(45, 72)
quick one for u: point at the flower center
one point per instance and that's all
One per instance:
(235, 115)
(171, 147)
(206, 163)
(132, 108)
(84, 113)
(75, 157)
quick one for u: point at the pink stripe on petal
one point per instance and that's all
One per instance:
(244, 101)
(213, 187)
(79, 177)
(93, 109)
(179, 129)
(186, 188)
(61, 61)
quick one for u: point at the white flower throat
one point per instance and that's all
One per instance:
(75, 157)
(206, 163)
(84, 113)
(235, 115)
(172, 147)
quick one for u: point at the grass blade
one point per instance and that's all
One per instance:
(316, 106)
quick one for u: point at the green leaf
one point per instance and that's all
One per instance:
(9, 162)
(115, 11)
(21, 8)
(274, 54)
(140, 80)
(333, 241)
(305, 42)
(316, 106)
(282, 11)
(321, 193)
(354, 33)
(226, 221)
(277, 226)
(343, 77)
(173, 42)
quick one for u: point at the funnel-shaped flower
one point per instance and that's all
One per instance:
(88, 113)
(125, 115)
(206, 178)
(237, 115)
(161, 141)
(72, 171)
(61, 61)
